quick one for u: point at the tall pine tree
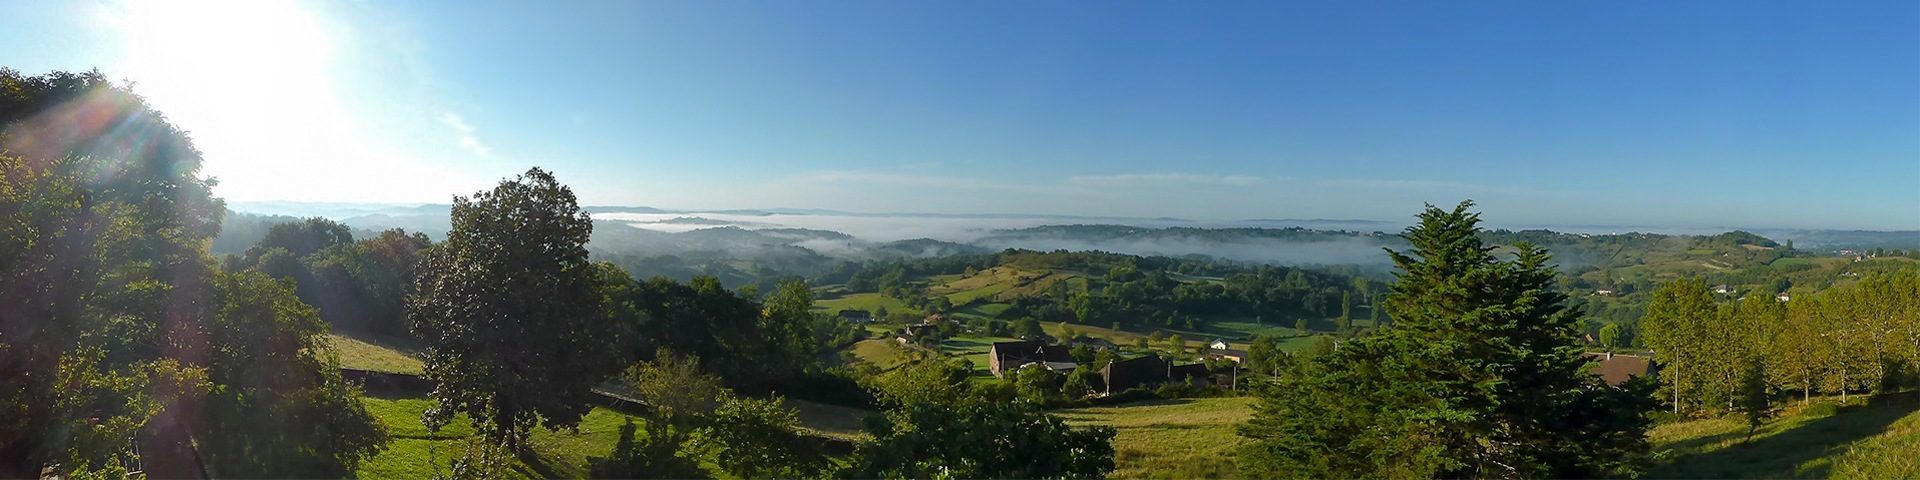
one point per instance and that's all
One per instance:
(1479, 376)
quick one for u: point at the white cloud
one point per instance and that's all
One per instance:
(468, 141)
(1161, 180)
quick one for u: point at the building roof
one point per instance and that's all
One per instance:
(1011, 355)
(1617, 369)
(1124, 374)
(1180, 373)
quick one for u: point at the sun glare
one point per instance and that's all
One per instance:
(250, 80)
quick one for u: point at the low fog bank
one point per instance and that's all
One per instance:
(821, 236)
(1355, 251)
(874, 236)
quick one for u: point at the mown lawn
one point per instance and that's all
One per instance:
(414, 452)
(363, 355)
(883, 353)
(1865, 438)
(1184, 438)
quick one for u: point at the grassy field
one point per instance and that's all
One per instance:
(416, 453)
(883, 353)
(831, 420)
(985, 310)
(864, 301)
(1186, 438)
(1001, 283)
(365, 355)
(1874, 438)
(1195, 340)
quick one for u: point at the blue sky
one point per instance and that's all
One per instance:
(1681, 114)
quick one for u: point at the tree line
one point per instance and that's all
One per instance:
(1857, 337)
(1128, 291)
(126, 345)
(117, 331)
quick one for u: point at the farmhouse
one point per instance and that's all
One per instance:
(1195, 373)
(916, 333)
(1007, 356)
(1120, 375)
(1617, 369)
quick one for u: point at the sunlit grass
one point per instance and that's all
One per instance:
(415, 452)
(362, 355)
(883, 353)
(1186, 438)
(1877, 438)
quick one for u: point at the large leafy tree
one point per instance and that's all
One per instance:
(980, 440)
(938, 425)
(755, 438)
(282, 409)
(511, 311)
(1678, 324)
(701, 318)
(1479, 376)
(305, 237)
(103, 221)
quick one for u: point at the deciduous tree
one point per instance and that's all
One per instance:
(511, 312)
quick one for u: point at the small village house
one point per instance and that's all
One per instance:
(1003, 357)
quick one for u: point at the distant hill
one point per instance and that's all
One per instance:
(748, 246)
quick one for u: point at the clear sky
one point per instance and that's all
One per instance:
(1686, 114)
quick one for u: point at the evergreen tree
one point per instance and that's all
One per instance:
(1346, 311)
(1480, 376)
(1753, 399)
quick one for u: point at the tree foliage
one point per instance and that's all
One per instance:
(1855, 337)
(282, 409)
(756, 438)
(115, 331)
(511, 312)
(1479, 376)
(980, 440)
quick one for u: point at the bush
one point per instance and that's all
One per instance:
(1663, 417)
(1822, 409)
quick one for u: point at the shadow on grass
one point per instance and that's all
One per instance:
(1781, 454)
(1692, 444)
(539, 465)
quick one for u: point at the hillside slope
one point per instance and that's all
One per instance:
(1865, 438)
